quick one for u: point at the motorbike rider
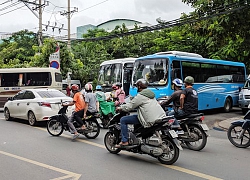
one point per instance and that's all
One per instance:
(119, 96)
(77, 115)
(148, 110)
(175, 98)
(91, 102)
(99, 94)
(189, 98)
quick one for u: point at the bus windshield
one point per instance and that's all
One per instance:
(153, 70)
(110, 74)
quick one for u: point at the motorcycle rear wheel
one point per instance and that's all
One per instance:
(110, 141)
(233, 136)
(197, 132)
(172, 155)
(54, 127)
(94, 129)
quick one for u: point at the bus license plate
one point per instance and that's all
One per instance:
(173, 134)
(204, 127)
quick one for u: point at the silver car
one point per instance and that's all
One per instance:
(35, 105)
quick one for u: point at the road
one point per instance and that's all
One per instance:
(31, 153)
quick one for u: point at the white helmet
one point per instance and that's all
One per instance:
(88, 87)
(177, 82)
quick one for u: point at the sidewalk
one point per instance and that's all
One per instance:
(224, 125)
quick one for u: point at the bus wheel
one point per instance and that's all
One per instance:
(228, 105)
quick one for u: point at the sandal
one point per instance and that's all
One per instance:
(121, 145)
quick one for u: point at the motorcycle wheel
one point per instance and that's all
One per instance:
(200, 138)
(170, 155)
(54, 127)
(94, 129)
(110, 140)
(233, 134)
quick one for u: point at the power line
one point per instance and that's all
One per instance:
(12, 10)
(177, 22)
(5, 2)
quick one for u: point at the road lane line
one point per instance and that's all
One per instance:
(177, 168)
(68, 173)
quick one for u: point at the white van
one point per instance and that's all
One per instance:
(244, 96)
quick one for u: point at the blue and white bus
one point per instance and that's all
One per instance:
(217, 81)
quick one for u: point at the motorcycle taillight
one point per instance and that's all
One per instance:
(202, 118)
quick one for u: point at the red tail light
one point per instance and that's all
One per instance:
(171, 121)
(202, 118)
(45, 104)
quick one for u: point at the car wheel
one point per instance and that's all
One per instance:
(32, 118)
(7, 114)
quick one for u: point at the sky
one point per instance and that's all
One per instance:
(15, 16)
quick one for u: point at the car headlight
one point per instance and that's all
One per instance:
(240, 96)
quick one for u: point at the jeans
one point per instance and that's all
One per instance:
(180, 112)
(125, 120)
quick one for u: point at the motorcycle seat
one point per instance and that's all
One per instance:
(195, 115)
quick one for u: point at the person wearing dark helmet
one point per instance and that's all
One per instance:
(148, 110)
(189, 98)
(77, 115)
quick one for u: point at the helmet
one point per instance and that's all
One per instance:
(98, 87)
(119, 84)
(142, 83)
(189, 80)
(88, 87)
(177, 82)
(74, 87)
(114, 86)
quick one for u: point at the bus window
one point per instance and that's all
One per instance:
(110, 74)
(9, 79)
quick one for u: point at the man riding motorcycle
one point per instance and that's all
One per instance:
(148, 110)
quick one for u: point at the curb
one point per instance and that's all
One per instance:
(218, 127)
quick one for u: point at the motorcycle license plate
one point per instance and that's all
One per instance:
(204, 127)
(173, 134)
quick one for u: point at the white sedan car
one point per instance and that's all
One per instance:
(35, 105)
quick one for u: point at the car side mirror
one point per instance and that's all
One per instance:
(10, 98)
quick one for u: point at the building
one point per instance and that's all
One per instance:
(110, 25)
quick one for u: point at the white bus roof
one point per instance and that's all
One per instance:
(180, 53)
(115, 61)
(33, 69)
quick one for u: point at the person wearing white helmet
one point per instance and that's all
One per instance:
(91, 102)
(175, 98)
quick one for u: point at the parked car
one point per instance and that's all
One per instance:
(244, 96)
(35, 105)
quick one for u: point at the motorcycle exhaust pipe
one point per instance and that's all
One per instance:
(155, 151)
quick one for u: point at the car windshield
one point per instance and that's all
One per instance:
(50, 94)
(153, 70)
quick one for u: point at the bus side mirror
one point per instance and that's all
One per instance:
(240, 89)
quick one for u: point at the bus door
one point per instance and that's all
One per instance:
(127, 76)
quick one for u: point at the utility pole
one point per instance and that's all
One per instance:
(40, 23)
(68, 14)
(69, 42)
(38, 6)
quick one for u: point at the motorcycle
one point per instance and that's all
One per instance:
(195, 132)
(158, 141)
(239, 132)
(58, 123)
